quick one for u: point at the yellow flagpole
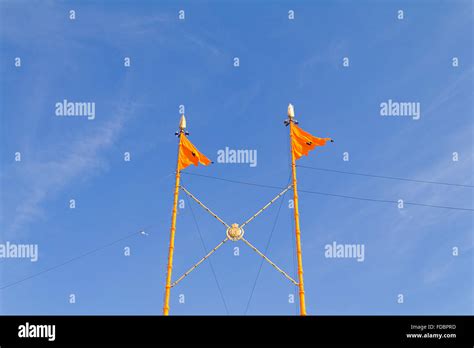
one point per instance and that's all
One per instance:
(297, 218)
(166, 306)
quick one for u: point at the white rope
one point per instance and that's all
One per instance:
(269, 261)
(204, 207)
(198, 263)
(266, 206)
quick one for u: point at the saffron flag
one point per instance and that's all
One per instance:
(303, 142)
(188, 154)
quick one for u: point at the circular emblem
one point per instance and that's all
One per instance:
(234, 232)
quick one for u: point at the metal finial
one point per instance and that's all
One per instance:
(182, 123)
(291, 111)
(291, 115)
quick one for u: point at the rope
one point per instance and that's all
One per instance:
(198, 263)
(203, 206)
(269, 261)
(266, 206)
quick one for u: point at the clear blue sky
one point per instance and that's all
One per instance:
(190, 62)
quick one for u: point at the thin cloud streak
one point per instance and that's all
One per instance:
(47, 177)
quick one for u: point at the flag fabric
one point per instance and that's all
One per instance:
(303, 142)
(188, 154)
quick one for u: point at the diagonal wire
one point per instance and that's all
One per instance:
(384, 200)
(234, 181)
(203, 206)
(261, 263)
(210, 262)
(385, 177)
(199, 262)
(337, 195)
(266, 249)
(266, 206)
(269, 261)
(70, 260)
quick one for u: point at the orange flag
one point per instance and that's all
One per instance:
(302, 142)
(188, 154)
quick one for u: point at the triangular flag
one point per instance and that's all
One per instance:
(303, 142)
(188, 154)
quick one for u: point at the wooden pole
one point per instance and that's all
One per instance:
(166, 306)
(297, 228)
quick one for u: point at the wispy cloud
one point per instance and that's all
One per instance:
(450, 91)
(48, 175)
(204, 44)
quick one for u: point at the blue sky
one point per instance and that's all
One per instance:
(190, 62)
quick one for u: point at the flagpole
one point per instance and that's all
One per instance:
(297, 217)
(166, 306)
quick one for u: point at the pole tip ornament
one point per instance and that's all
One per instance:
(291, 111)
(182, 126)
(291, 115)
(182, 123)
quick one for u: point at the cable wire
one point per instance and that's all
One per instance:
(70, 260)
(384, 200)
(234, 181)
(210, 262)
(266, 250)
(385, 177)
(334, 195)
